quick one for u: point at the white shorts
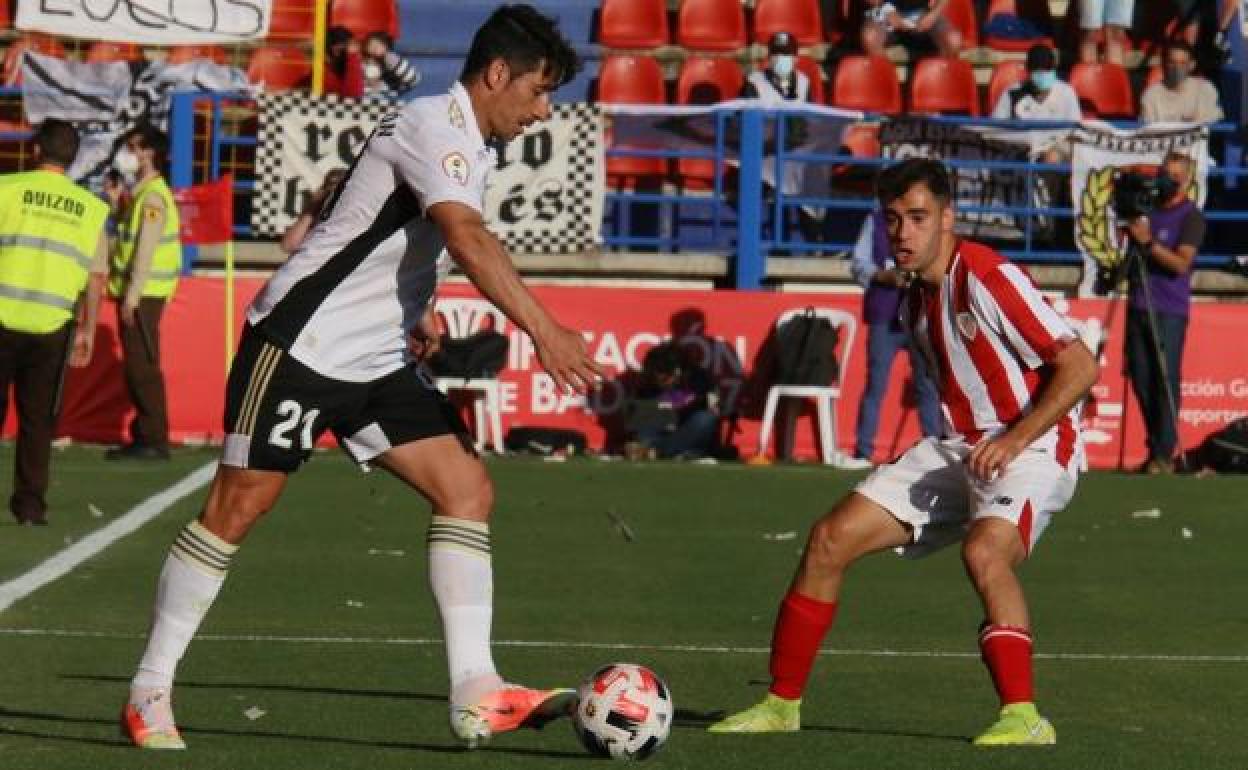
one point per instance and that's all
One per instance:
(1094, 14)
(931, 490)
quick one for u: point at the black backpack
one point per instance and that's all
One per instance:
(1227, 450)
(806, 351)
(481, 354)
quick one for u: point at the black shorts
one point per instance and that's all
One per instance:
(276, 408)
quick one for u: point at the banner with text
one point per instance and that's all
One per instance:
(150, 22)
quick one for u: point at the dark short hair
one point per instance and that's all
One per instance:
(1041, 58)
(526, 40)
(337, 35)
(151, 138)
(57, 141)
(896, 180)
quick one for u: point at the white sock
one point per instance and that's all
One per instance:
(463, 587)
(191, 578)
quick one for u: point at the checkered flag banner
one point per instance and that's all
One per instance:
(302, 138)
(546, 194)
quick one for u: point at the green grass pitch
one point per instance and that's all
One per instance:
(326, 636)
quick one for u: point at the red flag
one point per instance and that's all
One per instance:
(207, 211)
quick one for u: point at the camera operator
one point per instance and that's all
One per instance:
(1160, 286)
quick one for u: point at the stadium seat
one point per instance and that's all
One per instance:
(1035, 11)
(631, 80)
(1007, 74)
(12, 67)
(711, 25)
(862, 140)
(6, 14)
(1104, 91)
(633, 23)
(705, 81)
(825, 396)
(961, 14)
(944, 86)
(292, 19)
(461, 318)
(186, 53)
(800, 18)
(867, 83)
(363, 17)
(811, 69)
(279, 68)
(106, 51)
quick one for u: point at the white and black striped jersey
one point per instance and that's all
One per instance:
(343, 303)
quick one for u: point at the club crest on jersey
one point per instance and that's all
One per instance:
(967, 325)
(455, 166)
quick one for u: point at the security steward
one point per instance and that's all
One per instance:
(142, 280)
(53, 246)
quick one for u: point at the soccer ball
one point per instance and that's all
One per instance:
(625, 712)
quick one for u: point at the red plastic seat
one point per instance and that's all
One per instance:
(631, 80)
(1104, 90)
(1035, 11)
(293, 19)
(862, 140)
(811, 69)
(711, 25)
(186, 53)
(6, 14)
(1007, 74)
(867, 83)
(944, 86)
(633, 23)
(108, 51)
(800, 18)
(705, 81)
(280, 68)
(12, 67)
(961, 14)
(363, 17)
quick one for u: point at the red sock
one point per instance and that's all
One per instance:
(800, 628)
(1007, 653)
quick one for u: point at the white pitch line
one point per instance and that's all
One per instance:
(623, 646)
(60, 563)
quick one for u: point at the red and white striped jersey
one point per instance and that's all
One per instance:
(989, 334)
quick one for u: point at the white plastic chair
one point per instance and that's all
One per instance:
(462, 317)
(825, 396)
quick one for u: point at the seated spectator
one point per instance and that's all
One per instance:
(919, 25)
(384, 70)
(1181, 96)
(344, 66)
(1042, 96)
(671, 413)
(1113, 17)
(298, 230)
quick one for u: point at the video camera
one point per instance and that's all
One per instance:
(1138, 195)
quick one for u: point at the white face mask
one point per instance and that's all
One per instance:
(783, 64)
(126, 162)
(372, 71)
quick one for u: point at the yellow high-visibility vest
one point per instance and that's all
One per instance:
(162, 279)
(49, 229)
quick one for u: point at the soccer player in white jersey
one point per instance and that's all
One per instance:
(1012, 374)
(327, 346)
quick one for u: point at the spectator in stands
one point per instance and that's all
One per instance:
(344, 64)
(778, 83)
(919, 25)
(386, 72)
(302, 225)
(1168, 241)
(672, 411)
(1042, 96)
(1112, 18)
(876, 272)
(142, 279)
(1181, 96)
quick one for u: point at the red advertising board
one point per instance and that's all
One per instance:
(728, 331)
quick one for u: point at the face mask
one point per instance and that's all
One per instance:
(126, 162)
(1175, 76)
(372, 71)
(1044, 79)
(783, 64)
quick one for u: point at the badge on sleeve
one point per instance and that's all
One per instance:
(151, 213)
(455, 166)
(967, 325)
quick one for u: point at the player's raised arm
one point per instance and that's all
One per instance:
(483, 259)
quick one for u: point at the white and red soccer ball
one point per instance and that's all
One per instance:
(624, 712)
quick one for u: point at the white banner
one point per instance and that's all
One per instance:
(545, 195)
(150, 22)
(1100, 150)
(104, 100)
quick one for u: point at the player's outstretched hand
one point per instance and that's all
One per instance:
(988, 460)
(565, 356)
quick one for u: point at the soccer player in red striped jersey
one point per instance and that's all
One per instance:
(1012, 374)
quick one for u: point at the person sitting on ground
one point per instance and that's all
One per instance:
(671, 413)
